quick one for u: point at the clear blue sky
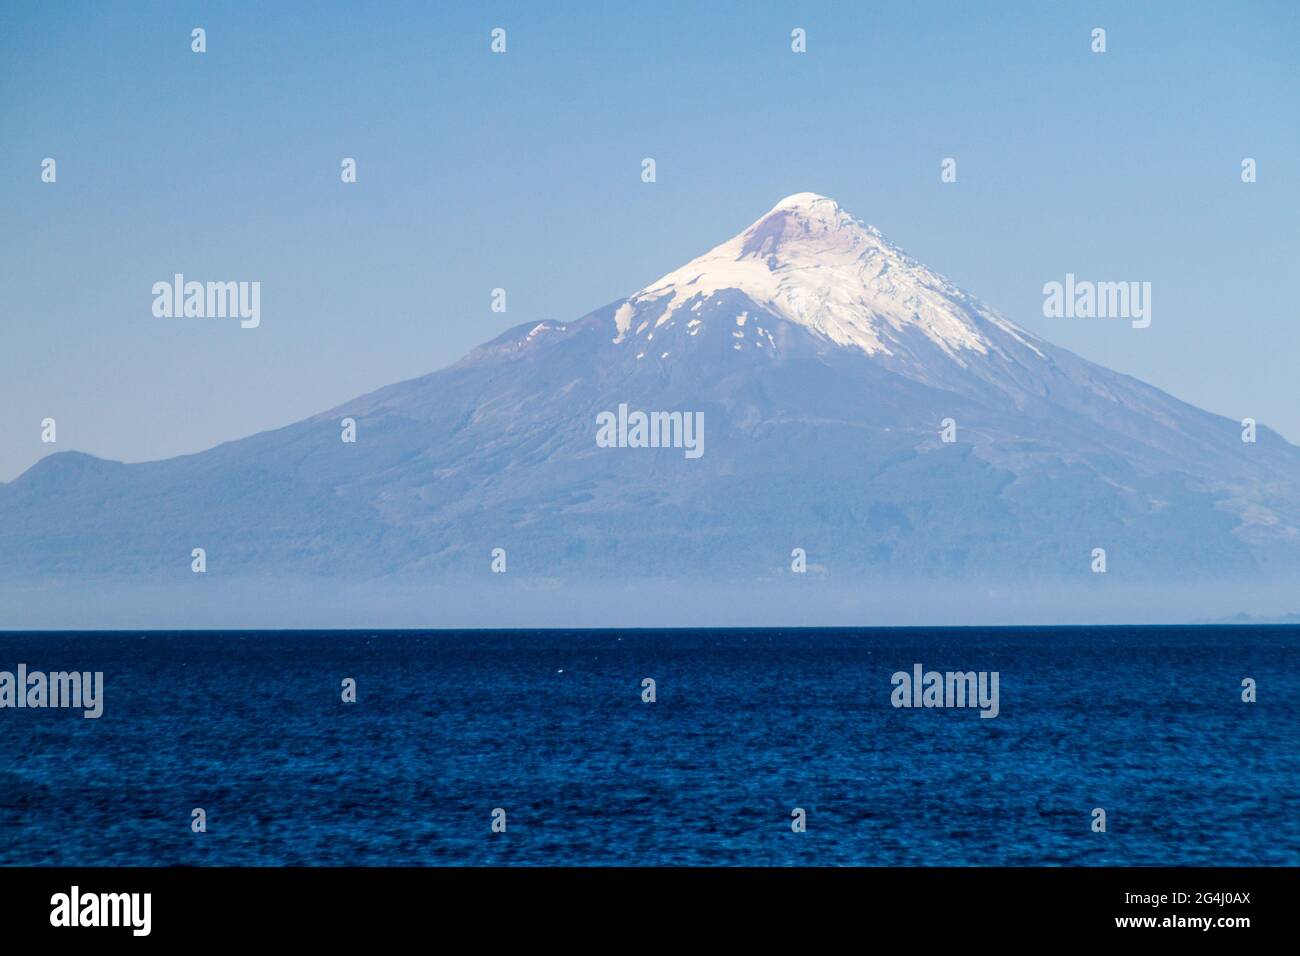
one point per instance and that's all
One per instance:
(523, 171)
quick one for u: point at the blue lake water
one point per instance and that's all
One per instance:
(1147, 723)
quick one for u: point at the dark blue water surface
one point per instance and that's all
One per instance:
(1147, 723)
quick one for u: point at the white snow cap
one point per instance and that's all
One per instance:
(810, 262)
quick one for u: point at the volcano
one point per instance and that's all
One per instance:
(858, 407)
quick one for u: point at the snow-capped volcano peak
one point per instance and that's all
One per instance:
(806, 219)
(808, 261)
